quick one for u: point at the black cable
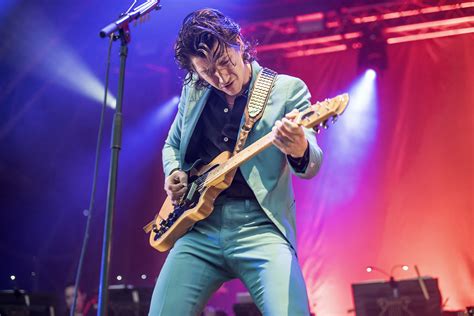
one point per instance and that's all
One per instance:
(94, 181)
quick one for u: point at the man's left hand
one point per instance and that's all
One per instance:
(289, 137)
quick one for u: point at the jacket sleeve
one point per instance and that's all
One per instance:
(170, 153)
(298, 97)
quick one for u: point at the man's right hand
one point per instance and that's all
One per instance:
(176, 185)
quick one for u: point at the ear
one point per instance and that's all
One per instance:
(241, 43)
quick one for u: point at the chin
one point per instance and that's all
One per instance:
(234, 91)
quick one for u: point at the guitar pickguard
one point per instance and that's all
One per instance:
(189, 201)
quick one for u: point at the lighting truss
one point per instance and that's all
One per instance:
(332, 31)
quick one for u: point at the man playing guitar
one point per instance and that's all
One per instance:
(250, 234)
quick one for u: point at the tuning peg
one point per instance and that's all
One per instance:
(317, 129)
(325, 124)
(334, 119)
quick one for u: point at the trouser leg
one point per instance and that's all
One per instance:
(267, 265)
(191, 273)
(274, 279)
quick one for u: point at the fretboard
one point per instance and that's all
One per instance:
(235, 161)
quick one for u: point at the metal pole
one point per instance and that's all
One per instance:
(112, 185)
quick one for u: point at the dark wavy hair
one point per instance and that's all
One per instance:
(200, 31)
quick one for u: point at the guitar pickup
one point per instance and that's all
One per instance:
(191, 194)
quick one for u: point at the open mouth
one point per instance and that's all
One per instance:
(227, 85)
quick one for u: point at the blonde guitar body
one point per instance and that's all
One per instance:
(202, 209)
(206, 183)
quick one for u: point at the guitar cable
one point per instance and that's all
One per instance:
(94, 181)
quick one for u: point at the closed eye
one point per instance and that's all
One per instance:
(224, 62)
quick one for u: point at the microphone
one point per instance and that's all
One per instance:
(126, 18)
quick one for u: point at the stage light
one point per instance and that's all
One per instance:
(143, 276)
(430, 35)
(372, 268)
(119, 278)
(175, 99)
(310, 23)
(390, 275)
(72, 73)
(354, 137)
(12, 277)
(373, 53)
(316, 51)
(54, 60)
(371, 74)
(363, 108)
(165, 111)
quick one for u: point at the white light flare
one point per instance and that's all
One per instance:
(72, 73)
(353, 139)
(358, 128)
(54, 60)
(164, 111)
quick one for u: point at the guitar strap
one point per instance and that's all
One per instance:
(254, 109)
(256, 104)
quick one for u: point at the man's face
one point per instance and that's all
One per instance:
(227, 73)
(69, 296)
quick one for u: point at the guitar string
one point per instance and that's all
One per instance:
(202, 179)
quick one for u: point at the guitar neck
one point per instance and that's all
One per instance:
(315, 115)
(243, 156)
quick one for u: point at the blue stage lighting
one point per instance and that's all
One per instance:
(54, 60)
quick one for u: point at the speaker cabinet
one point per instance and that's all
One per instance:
(401, 298)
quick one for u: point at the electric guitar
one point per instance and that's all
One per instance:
(207, 182)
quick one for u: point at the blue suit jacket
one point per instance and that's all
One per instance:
(267, 174)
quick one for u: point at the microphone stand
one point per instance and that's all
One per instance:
(124, 36)
(391, 280)
(394, 286)
(122, 26)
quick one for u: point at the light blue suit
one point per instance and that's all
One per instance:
(267, 174)
(238, 239)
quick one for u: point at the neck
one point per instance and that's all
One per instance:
(248, 75)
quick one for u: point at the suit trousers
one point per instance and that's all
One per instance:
(237, 240)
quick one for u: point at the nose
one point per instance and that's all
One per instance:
(222, 76)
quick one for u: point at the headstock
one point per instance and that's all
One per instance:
(318, 115)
